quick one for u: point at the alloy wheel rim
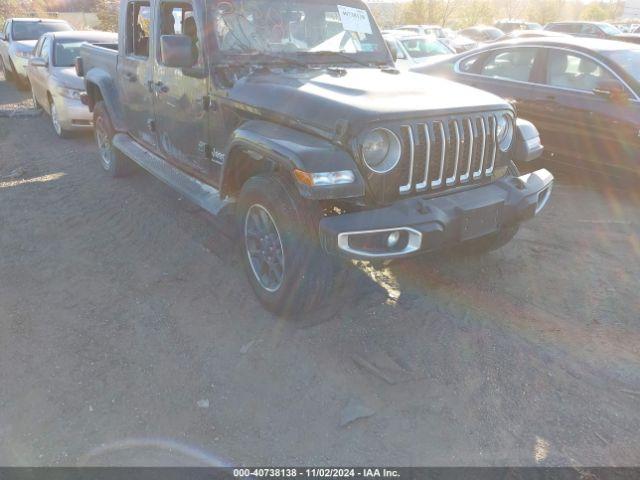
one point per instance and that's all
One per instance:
(104, 146)
(263, 245)
(55, 120)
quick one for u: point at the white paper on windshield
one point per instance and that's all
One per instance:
(355, 19)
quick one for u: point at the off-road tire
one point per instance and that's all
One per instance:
(111, 160)
(309, 272)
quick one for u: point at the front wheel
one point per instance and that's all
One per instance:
(284, 262)
(112, 161)
(55, 121)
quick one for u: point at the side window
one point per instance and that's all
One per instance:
(46, 43)
(176, 18)
(514, 64)
(469, 65)
(138, 28)
(571, 70)
(588, 29)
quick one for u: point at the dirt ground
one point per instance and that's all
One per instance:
(129, 334)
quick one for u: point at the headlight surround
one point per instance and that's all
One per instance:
(505, 131)
(381, 150)
(70, 93)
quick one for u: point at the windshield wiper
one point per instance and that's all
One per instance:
(326, 53)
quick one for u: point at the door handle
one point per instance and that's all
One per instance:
(130, 76)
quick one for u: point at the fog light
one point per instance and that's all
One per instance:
(393, 239)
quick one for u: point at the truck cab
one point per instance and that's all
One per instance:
(290, 116)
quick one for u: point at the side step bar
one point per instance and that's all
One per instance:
(203, 195)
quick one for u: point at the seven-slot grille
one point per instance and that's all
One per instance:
(446, 153)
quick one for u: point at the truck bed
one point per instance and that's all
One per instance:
(102, 56)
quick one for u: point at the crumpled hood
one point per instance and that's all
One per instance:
(67, 77)
(321, 99)
(24, 45)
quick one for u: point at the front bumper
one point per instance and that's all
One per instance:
(73, 114)
(430, 224)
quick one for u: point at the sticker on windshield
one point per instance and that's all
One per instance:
(355, 20)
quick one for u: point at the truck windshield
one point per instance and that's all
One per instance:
(307, 28)
(34, 30)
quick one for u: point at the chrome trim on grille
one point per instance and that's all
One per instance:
(494, 137)
(465, 178)
(443, 155)
(467, 147)
(404, 189)
(477, 174)
(427, 139)
(452, 180)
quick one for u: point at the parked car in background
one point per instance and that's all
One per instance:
(508, 26)
(409, 49)
(583, 94)
(534, 34)
(601, 30)
(483, 34)
(17, 39)
(55, 87)
(457, 42)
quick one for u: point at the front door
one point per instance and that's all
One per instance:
(135, 73)
(506, 72)
(38, 75)
(579, 124)
(181, 104)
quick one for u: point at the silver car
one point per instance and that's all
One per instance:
(55, 87)
(17, 39)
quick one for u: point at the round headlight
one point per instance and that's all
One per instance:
(505, 131)
(381, 150)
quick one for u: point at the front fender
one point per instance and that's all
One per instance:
(291, 149)
(98, 81)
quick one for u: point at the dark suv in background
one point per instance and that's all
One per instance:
(601, 30)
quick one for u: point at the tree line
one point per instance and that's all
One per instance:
(464, 13)
(452, 13)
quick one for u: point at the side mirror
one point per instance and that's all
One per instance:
(612, 90)
(176, 51)
(2, 36)
(38, 62)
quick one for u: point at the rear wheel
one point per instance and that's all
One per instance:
(284, 262)
(112, 161)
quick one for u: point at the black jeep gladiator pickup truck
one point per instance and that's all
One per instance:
(290, 115)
